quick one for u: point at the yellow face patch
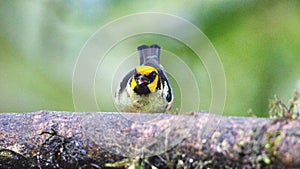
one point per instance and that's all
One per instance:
(152, 86)
(146, 70)
(132, 83)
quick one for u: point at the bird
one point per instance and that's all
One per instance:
(146, 88)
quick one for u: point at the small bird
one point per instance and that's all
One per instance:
(146, 88)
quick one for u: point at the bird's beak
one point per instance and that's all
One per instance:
(142, 79)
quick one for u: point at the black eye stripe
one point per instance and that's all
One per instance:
(137, 75)
(151, 76)
(153, 73)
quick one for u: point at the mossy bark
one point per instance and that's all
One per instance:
(92, 140)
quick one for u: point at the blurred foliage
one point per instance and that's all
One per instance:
(280, 110)
(257, 42)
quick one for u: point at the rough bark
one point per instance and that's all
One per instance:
(46, 139)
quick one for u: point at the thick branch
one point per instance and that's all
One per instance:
(200, 138)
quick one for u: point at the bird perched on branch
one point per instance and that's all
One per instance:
(145, 88)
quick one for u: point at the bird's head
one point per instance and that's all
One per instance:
(145, 80)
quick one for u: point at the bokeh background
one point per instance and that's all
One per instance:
(258, 43)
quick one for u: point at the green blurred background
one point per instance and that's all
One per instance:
(258, 43)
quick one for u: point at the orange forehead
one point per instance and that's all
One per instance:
(145, 70)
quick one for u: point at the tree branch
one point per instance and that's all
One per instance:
(93, 140)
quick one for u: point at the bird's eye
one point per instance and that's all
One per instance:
(153, 74)
(137, 75)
